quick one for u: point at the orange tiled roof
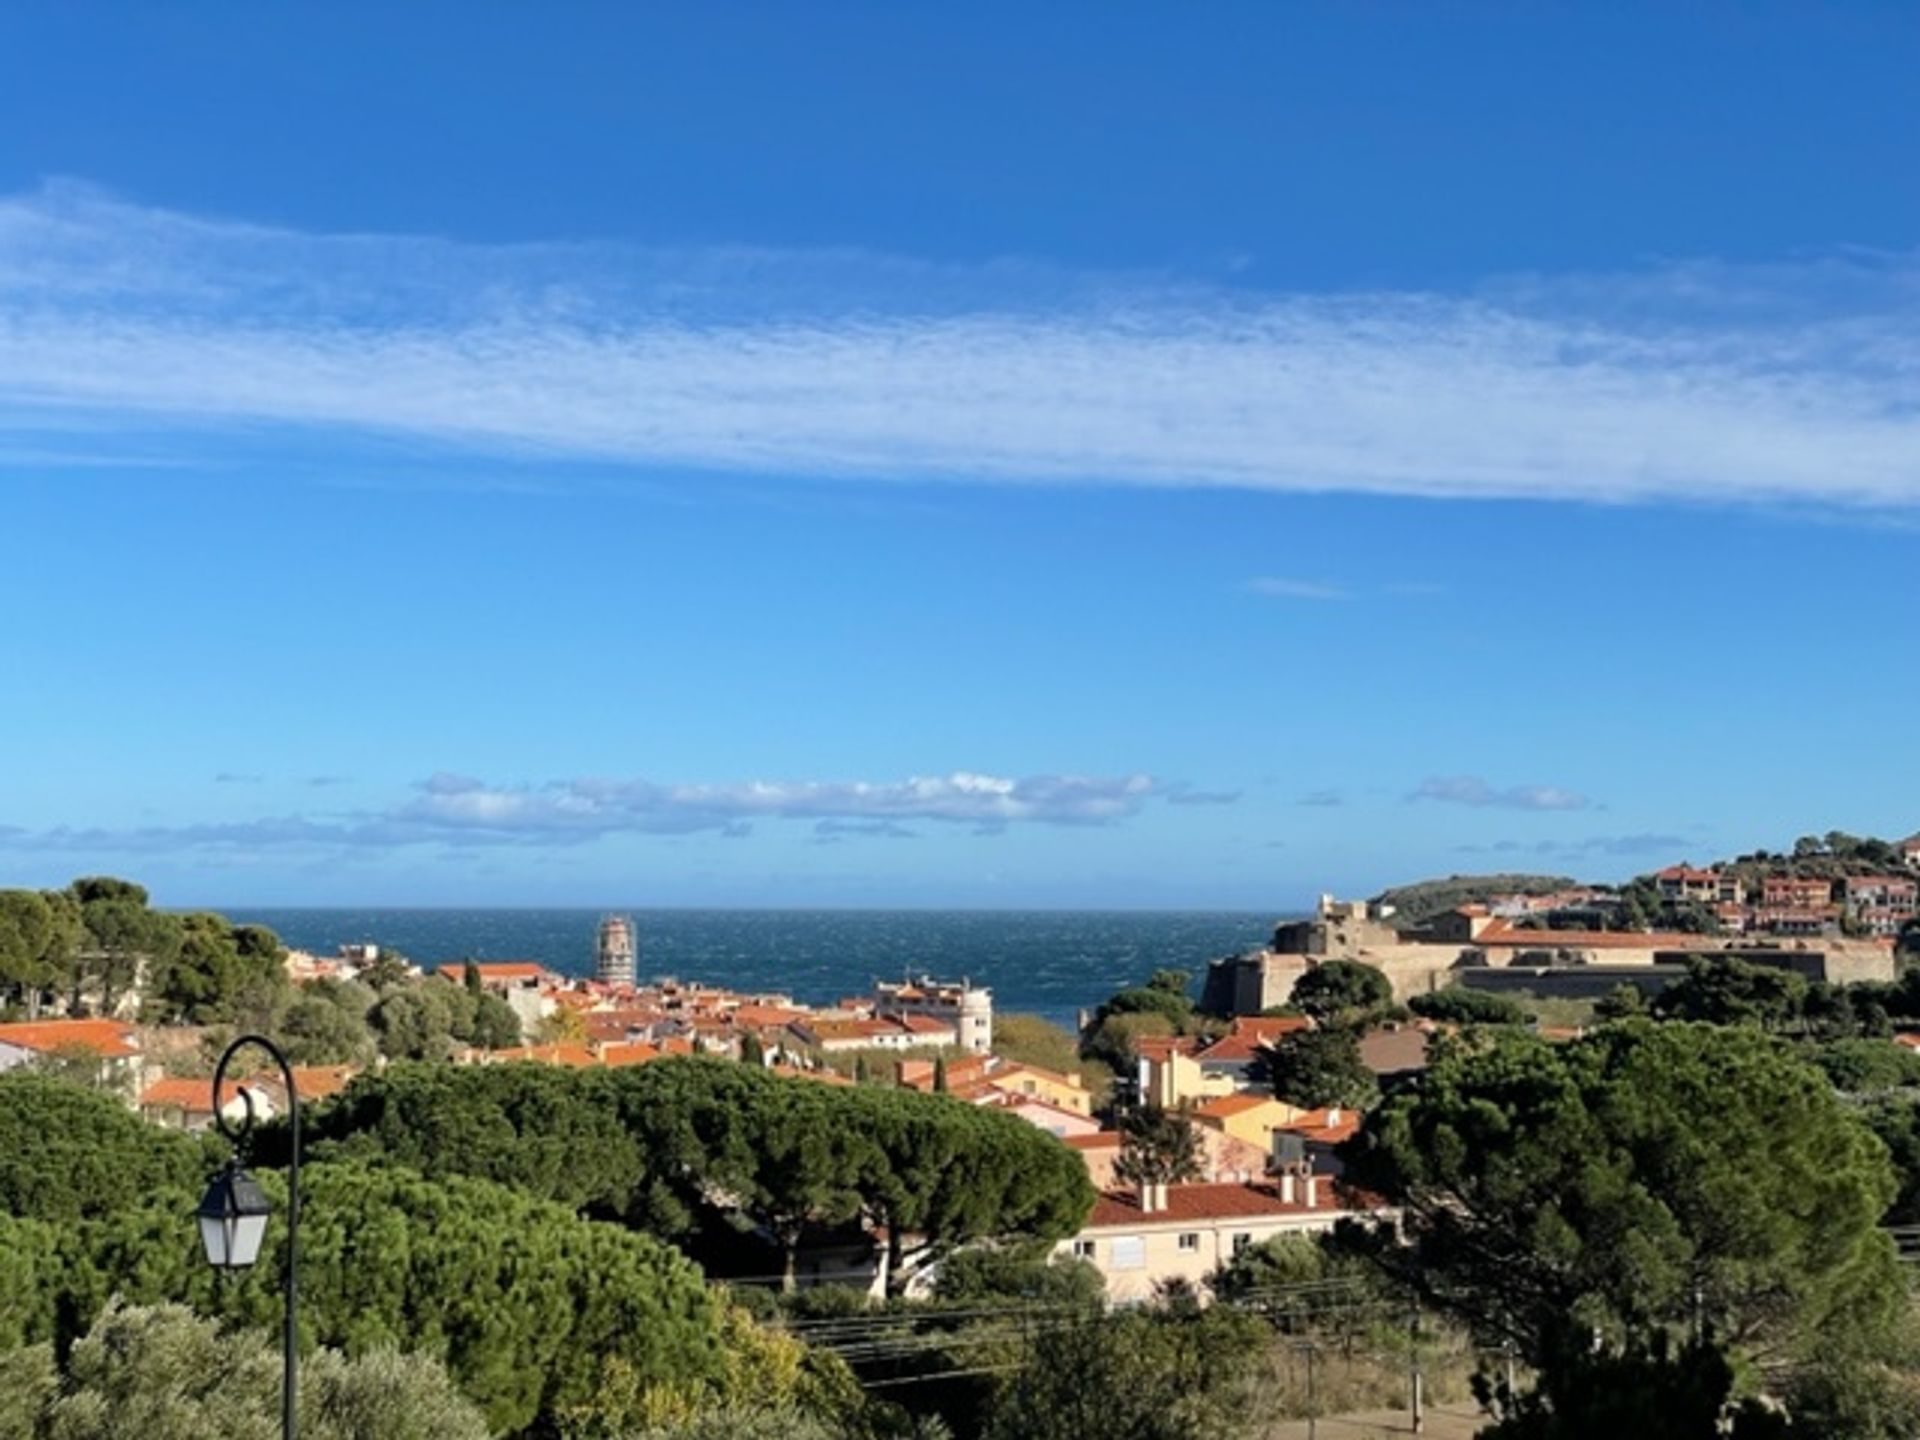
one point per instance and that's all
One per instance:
(1020, 1067)
(1503, 934)
(765, 1016)
(317, 1082)
(1225, 1201)
(1221, 1106)
(924, 1025)
(637, 1052)
(108, 1039)
(495, 970)
(1316, 1125)
(189, 1093)
(1099, 1140)
(560, 1053)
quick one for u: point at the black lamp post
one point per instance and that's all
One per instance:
(233, 1213)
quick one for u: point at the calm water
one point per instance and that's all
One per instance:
(1049, 962)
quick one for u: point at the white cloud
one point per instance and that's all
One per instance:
(1791, 382)
(463, 810)
(1472, 790)
(1295, 589)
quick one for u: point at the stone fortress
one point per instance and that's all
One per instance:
(1474, 946)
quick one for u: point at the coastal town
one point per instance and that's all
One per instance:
(1264, 1163)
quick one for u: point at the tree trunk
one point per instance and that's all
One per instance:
(896, 1266)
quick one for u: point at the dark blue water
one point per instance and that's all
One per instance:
(1047, 962)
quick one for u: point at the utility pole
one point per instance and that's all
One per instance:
(1313, 1399)
(1415, 1381)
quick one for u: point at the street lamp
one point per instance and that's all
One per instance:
(233, 1213)
(233, 1219)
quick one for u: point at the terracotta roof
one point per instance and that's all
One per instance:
(495, 970)
(1034, 1102)
(191, 1093)
(767, 1016)
(1228, 1201)
(106, 1038)
(1316, 1125)
(317, 1082)
(1222, 1106)
(561, 1053)
(1099, 1140)
(1008, 1069)
(636, 1052)
(1503, 934)
(615, 1024)
(1684, 871)
(1159, 1047)
(924, 1025)
(1238, 1049)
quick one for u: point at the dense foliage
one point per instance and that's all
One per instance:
(90, 943)
(1647, 1181)
(1157, 1147)
(1131, 1375)
(1419, 902)
(1341, 992)
(698, 1149)
(166, 1374)
(523, 1301)
(1460, 1006)
(1316, 1068)
(1161, 1006)
(68, 1153)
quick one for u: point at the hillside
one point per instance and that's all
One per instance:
(1419, 902)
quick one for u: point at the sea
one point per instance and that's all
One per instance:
(1045, 962)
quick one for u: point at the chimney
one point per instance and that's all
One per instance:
(1153, 1197)
(1333, 1115)
(1286, 1187)
(1311, 1191)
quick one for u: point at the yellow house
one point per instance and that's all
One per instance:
(1187, 1232)
(1248, 1117)
(1032, 1082)
(1171, 1075)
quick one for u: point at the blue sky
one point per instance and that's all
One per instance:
(899, 455)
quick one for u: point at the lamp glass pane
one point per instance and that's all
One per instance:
(247, 1231)
(214, 1239)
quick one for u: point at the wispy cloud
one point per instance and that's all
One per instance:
(1182, 792)
(323, 782)
(463, 810)
(235, 777)
(1474, 791)
(832, 832)
(1324, 799)
(1792, 382)
(1644, 843)
(1291, 589)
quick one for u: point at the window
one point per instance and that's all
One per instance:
(1190, 1240)
(1083, 1249)
(1241, 1241)
(1129, 1253)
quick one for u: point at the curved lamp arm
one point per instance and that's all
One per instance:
(239, 1133)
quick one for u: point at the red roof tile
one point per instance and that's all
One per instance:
(495, 970)
(1230, 1201)
(192, 1094)
(106, 1038)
